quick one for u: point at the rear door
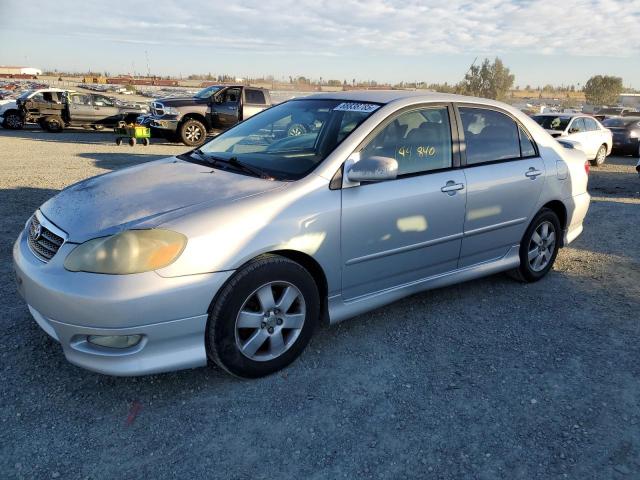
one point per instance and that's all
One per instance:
(410, 228)
(104, 110)
(596, 136)
(505, 176)
(80, 108)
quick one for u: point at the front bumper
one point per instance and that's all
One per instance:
(169, 313)
(162, 123)
(626, 145)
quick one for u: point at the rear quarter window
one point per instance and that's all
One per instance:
(255, 97)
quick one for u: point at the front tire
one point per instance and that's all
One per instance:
(13, 121)
(263, 317)
(601, 156)
(193, 133)
(539, 247)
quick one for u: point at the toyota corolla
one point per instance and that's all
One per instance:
(233, 253)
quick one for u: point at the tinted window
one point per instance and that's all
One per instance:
(590, 124)
(419, 140)
(255, 96)
(526, 145)
(489, 135)
(577, 126)
(552, 122)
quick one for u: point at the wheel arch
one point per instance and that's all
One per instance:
(196, 116)
(557, 207)
(305, 260)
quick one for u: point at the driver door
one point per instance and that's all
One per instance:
(228, 110)
(399, 231)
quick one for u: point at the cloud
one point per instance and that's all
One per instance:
(336, 28)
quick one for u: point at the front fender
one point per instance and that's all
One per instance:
(302, 217)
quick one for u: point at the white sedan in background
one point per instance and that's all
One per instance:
(595, 140)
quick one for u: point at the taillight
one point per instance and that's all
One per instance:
(587, 167)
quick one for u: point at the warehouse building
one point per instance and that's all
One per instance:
(13, 70)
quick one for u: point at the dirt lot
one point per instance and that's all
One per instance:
(488, 379)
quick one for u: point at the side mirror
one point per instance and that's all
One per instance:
(373, 169)
(573, 130)
(217, 99)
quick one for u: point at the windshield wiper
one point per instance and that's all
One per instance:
(245, 167)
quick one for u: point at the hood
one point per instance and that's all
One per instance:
(181, 101)
(146, 196)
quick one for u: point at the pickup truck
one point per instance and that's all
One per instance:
(211, 110)
(53, 110)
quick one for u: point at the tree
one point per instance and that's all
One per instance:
(489, 80)
(603, 90)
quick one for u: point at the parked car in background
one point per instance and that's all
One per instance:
(595, 140)
(54, 111)
(213, 109)
(236, 251)
(11, 116)
(626, 135)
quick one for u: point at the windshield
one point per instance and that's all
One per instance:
(24, 95)
(550, 122)
(290, 139)
(207, 92)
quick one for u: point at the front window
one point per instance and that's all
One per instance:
(552, 122)
(207, 92)
(291, 139)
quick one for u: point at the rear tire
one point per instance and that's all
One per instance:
(263, 317)
(539, 247)
(601, 156)
(13, 120)
(52, 124)
(132, 142)
(192, 133)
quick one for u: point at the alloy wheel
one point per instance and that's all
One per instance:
(270, 321)
(602, 154)
(193, 133)
(542, 246)
(13, 121)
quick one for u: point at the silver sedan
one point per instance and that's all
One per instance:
(315, 210)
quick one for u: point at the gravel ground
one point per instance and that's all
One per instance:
(488, 379)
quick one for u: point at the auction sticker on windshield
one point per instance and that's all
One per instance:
(356, 107)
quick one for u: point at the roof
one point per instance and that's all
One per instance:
(562, 114)
(388, 96)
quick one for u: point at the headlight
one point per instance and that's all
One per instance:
(633, 134)
(171, 111)
(131, 251)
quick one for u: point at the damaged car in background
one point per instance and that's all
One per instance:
(55, 109)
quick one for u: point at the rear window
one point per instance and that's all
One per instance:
(621, 122)
(255, 97)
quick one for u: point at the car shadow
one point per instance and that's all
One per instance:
(73, 135)
(117, 160)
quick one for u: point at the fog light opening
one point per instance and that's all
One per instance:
(114, 341)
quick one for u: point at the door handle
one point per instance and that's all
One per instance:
(532, 173)
(452, 187)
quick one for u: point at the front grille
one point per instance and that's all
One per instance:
(42, 241)
(157, 109)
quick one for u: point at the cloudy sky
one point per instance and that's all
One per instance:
(542, 41)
